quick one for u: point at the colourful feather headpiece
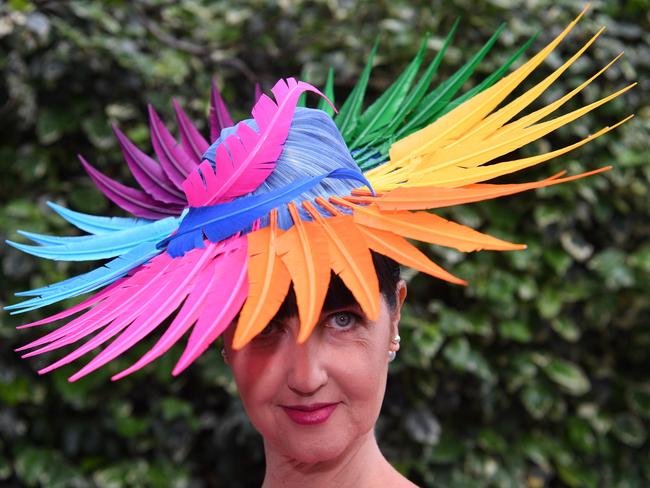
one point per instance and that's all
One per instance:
(288, 197)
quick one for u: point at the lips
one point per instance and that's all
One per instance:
(311, 414)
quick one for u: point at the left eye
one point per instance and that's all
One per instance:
(342, 320)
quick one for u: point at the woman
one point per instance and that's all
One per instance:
(283, 226)
(315, 404)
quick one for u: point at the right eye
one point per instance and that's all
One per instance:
(270, 329)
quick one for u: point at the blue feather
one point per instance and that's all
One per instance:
(96, 224)
(44, 239)
(103, 246)
(90, 281)
(217, 222)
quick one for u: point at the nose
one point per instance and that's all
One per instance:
(307, 372)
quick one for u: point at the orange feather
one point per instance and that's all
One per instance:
(350, 258)
(268, 283)
(420, 198)
(426, 227)
(402, 251)
(303, 250)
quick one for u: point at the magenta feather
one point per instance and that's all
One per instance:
(245, 159)
(225, 302)
(219, 116)
(134, 201)
(186, 317)
(148, 173)
(193, 142)
(173, 158)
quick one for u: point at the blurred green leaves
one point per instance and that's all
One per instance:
(535, 375)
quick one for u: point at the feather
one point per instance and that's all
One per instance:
(350, 259)
(96, 224)
(382, 111)
(245, 159)
(457, 121)
(89, 248)
(429, 197)
(148, 173)
(435, 101)
(87, 303)
(397, 248)
(220, 221)
(193, 142)
(173, 158)
(225, 302)
(90, 281)
(304, 251)
(219, 116)
(134, 201)
(426, 227)
(257, 93)
(44, 239)
(196, 300)
(268, 283)
(329, 94)
(348, 117)
(454, 177)
(180, 281)
(141, 303)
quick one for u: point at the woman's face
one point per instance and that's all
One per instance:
(311, 401)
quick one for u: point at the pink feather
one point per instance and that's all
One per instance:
(225, 302)
(245, 159)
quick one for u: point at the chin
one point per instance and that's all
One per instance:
(312, 448)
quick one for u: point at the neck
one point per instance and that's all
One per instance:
(361, 464)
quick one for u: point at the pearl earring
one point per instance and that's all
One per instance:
(391, 356)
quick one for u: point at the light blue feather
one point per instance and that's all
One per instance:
(103, 246)
(96, 224)
(90, 281)
(44, 239)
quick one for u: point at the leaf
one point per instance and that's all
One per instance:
(566, 374)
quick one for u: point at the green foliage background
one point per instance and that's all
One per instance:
(534, 375)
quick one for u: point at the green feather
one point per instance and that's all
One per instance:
(329, 93)
(349, 114)
(436, 101)
(302, 99)
(415, 96)
(383, 110)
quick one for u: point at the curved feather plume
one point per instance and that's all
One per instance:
(245, 159)
(224, 302)
(219, 115)
(304, 251)
(193, 142)
(427, 227)
(350, 259)
(134, 201)
(268, 283)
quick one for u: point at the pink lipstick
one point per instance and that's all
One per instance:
(312, 414)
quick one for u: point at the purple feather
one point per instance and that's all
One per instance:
(173, 158)
(258, 92)
(148, 173)
(193, 142)
(245, 159)
(219, 116)
(134, 201)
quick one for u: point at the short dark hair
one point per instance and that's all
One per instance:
(388, 275)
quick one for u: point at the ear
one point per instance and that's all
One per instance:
(400, 292)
